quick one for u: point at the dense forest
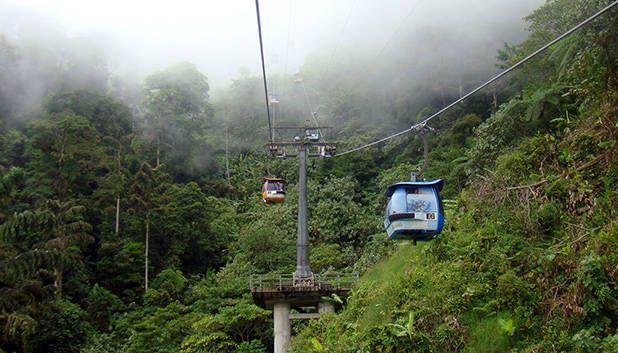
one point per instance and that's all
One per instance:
(131, 216)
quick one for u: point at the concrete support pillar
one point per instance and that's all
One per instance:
(281, 314)
(302, 242)
(326, 307)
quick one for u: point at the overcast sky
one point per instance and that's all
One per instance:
(220, 36)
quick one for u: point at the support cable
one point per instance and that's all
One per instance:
(311, 111)
(270, 127)
(425, 150)
(422, 123)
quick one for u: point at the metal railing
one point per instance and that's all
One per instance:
(288, 281)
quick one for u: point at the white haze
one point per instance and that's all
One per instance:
(220, 36)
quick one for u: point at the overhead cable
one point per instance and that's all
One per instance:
(399, 27)
(422, 123)
(270, 127)
(345, 24)
(287, 43)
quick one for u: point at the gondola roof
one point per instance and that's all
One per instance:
(264, 179)
(438, 183)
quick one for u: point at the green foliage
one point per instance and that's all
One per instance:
(407, 329)
(515, 119)
(108, 117)
(177, 114)
(460, 131)
(159, 329)
(17, 225)
(170, 281)
(252, 346)
(119, 267)
(190, 229)
(587, 341)
(326, 257)
(374, 251)
(179, 89)
(63, 151)
(507, 326)
(8, 181)
(100, 305)
(336, 213)
(61, 327)
(217, 342)
(234, 328)
(525, 263)
(317, 346)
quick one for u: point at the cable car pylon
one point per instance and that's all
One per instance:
(302, 290)
(309, 146)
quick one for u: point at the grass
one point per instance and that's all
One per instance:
(485, 333)
(380, 278)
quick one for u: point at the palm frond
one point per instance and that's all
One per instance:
(28, 263)
(25, 222)
(16, 324)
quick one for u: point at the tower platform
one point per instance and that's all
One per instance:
(270, 289)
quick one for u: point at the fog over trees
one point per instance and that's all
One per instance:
(132, 152)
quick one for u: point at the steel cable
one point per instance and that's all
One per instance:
(422, 123)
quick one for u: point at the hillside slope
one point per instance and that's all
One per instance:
(527, 261)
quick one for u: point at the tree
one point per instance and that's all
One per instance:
(110, 118)
(176, 115)
(67, 234)
(8, 63)
(63, 152)
(21, 283)
(337, 216)
(192, 229)
(114, 183)
(588, 53)
(145, 197)
(233, 329)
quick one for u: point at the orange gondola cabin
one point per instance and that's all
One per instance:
(273, 190)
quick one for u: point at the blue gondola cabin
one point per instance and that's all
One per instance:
(414, 211)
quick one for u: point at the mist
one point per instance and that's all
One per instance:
(220, 37)
(377, 54)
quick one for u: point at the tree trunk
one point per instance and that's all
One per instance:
(495, 101)
(58, 187)
(117, 214)
(58, 282)
(146, 253)
(158, 151)
(118, 158)
(612, 76)
(227, 163)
